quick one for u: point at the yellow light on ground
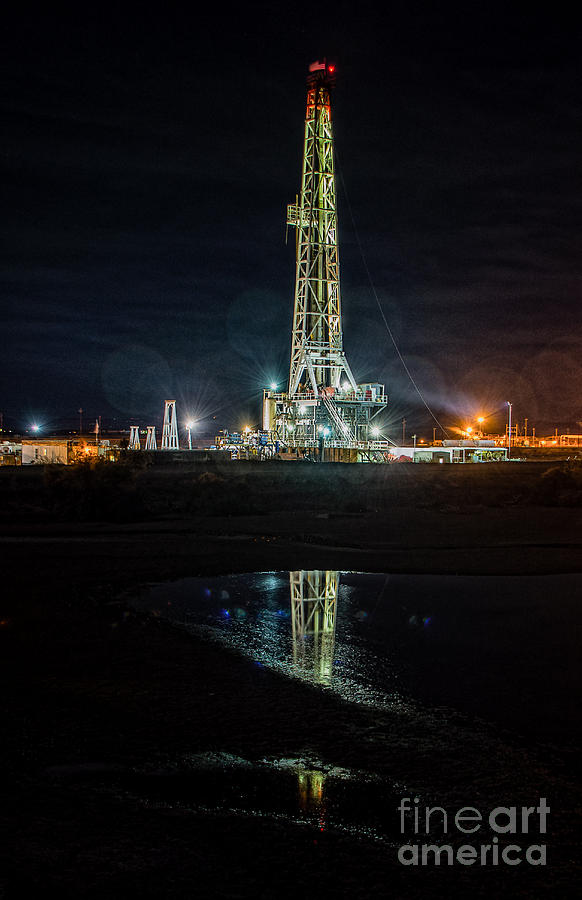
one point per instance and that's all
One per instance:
(247, 429)
(480, 420)
(469, 429)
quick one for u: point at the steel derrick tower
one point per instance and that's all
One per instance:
(324, 413)
(317, 343)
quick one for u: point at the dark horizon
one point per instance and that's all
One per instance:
(147, 172)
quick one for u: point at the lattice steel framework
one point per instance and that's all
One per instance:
(151, 442)
(134, 442)
(317, 343)
(170, 429)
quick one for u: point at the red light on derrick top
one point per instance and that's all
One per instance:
(331, 68)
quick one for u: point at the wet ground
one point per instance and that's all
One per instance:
(163, 756)
(479, 645)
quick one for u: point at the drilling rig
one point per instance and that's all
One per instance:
(323, 407)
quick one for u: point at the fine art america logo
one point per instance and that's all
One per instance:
(526, 821)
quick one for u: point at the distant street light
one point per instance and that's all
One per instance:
(35, 427)
(480, 421)
(190, 426)
(273, 385)
(375, 431)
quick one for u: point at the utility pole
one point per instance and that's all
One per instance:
(403, 432)
(525, 430)
(80, 421)
(434, 435)
(509, 430)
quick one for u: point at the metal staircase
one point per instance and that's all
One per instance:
(343, 429)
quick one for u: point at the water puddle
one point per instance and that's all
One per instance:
(297, 790)
(438, 681)
(500, 649)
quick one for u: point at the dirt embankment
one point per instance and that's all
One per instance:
(147, 522)
(132, 492)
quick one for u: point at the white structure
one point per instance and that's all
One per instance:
(45, 452)
(151, 443)
(170, 430)
(134, 443)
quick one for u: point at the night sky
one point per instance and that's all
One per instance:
(148, 161)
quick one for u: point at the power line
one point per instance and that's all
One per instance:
(384, 319)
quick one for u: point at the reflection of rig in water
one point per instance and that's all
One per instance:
(310, 785)
(313, 617)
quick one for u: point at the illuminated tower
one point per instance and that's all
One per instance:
(151, 443)
(323, 402)
(170, 429)
(134, 443)
(313, 615)
(317, 345)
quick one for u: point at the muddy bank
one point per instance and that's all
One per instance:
(134, 492)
